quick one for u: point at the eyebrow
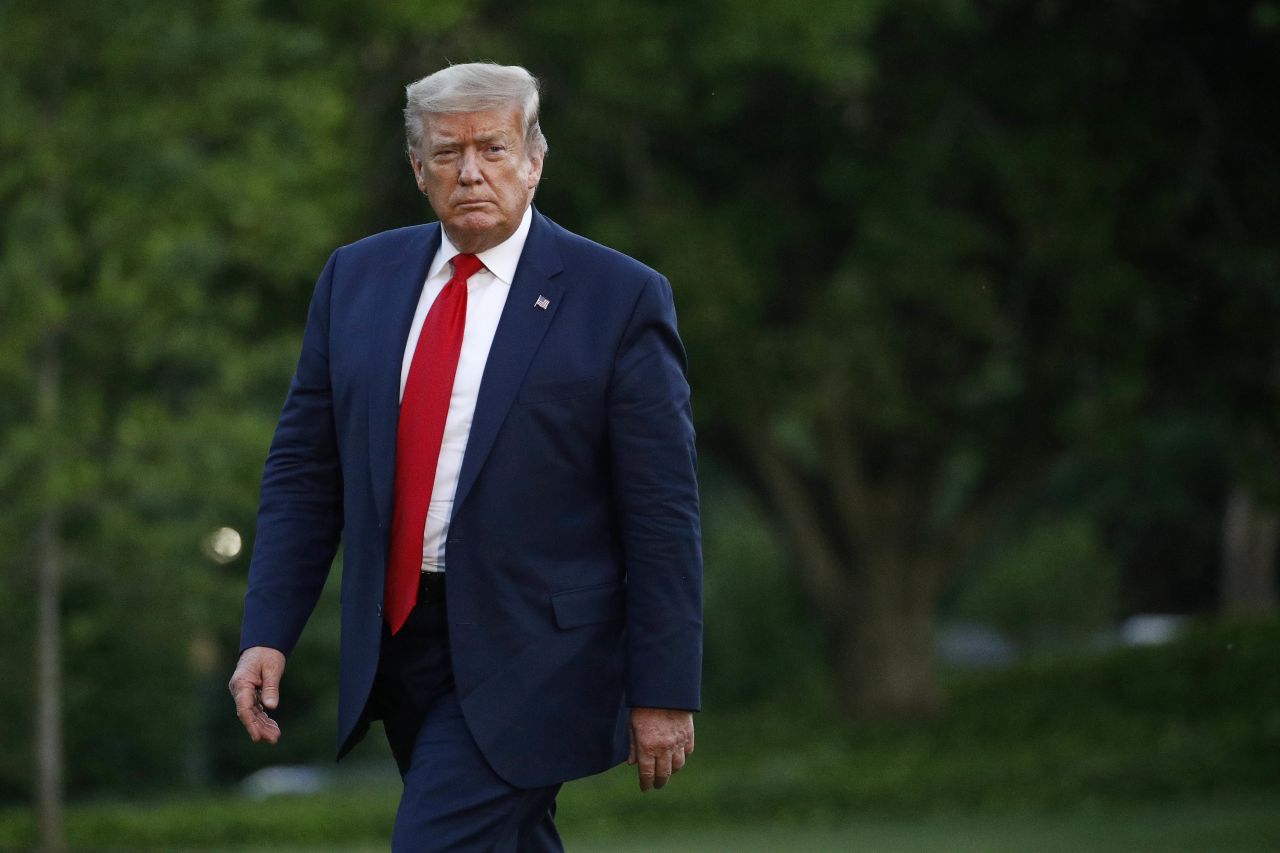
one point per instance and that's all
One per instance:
(479, 139)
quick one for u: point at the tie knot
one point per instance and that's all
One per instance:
(465, 265)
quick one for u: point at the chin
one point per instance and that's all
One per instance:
(476, 223)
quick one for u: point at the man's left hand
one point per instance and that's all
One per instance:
(661, 741)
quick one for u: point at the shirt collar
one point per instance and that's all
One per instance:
(501, 260)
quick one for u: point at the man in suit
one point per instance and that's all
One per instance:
(493, 400)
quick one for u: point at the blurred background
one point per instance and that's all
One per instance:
(982, 302)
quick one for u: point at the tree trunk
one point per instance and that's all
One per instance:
(817, 560)
(882, 604)
(48, 722)
(888, 664)
(1250, 536)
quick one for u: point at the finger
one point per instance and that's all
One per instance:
(271, 685)
(677, 759)
(246, 699)
(661, 769)
(258, 726)
(264, 728)
(268, 729)
(647, 773)
(252, 717)
(631, 755)
(246, 717)
(688, 747)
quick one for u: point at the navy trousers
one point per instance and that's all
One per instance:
(452, 799)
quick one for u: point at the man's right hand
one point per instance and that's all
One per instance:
(255, 685)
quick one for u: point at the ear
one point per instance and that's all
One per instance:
(417, 170)
(535, 172)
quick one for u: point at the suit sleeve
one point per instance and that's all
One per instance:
(300, 510)
(656, 497)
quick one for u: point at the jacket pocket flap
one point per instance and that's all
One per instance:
(576, 607)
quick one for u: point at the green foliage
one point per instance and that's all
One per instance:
(168, 177)
(981, 247)
(761, 643)
(1056, 582)
(1180, 721)
(1194, 723)
(222, 820)
(1005, 259)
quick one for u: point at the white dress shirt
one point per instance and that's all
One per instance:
(487, 291)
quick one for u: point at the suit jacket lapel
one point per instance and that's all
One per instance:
(400, 286)
(520, 330)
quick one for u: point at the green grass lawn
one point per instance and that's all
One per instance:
(359, 822)
(1200, 827)
(1238, 825)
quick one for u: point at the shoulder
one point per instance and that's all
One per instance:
(586, 257)
(390, 243)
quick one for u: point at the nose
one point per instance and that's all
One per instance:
(470, 170)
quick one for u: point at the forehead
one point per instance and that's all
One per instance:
(481, 124)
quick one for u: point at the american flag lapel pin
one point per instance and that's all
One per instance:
(542, 302)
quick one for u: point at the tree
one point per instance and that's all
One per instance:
(743, 167)
(903, 240)
(168, 176)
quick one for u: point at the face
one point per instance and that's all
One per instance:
(477, 175)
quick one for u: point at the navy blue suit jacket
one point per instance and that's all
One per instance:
(574, 555)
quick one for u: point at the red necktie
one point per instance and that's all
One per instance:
(423, 410)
